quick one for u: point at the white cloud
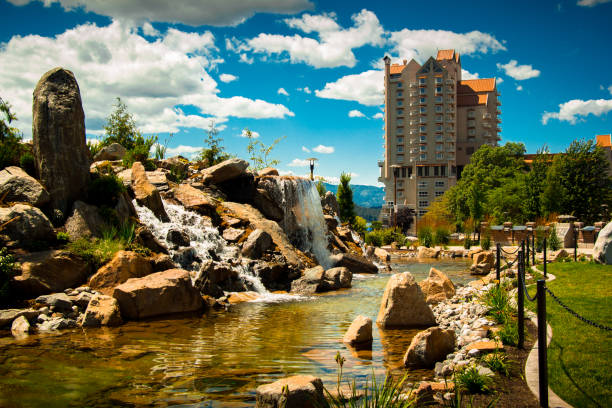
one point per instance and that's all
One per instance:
(281, 91)
(366, 88)
(356, 114)
(465, 74)
(323, 149)
(305, 149)
(227, 78)
(592, 3)
(334, 46)
(151, 77)
(336, 179)
(577, 109)
(518, 72)
(499, 80)
(299, 163)
(378, 115)
(190, 12)
(305, 90)
(148, 29)
(519, 88)
(422, 44)
(610, 89)
(182, 150)
(254, 134)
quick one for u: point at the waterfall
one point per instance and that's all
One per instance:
(303, 220)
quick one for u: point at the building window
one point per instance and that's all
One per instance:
(399, 84)
(400, 121)
(440, 183)
(440, 156)
(442, 173)
(422, 81)
(438, 137)
(439, 99)
(423, 91)
(439, 147)
(422, 213)
(400, 102)
(471, 123)
(439, 193)
(471, 114)
(400, 111)
(436, 171)
(423, 138)
(472, 132)
(400, 130)
(423, 110)
(400, 140)
(438, 89)
(438, 118)
(439, 128)
(423, 203)
(403, 173)
(423, 157)
(420, 174)
(438, 80)
(400, 149)
(423, 148)
(423, 128)
(438, 108)
(425, 170)
(422, 184)
(400, 193)
(399, 94)
(400, 184)
(423, 194)
(400, 158)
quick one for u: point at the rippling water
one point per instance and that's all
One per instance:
(216, 360)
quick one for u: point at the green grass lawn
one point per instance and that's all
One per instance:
(580, 355)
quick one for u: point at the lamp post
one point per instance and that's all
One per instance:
(312, 161)
(396, 170)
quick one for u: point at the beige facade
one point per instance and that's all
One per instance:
(434, 121)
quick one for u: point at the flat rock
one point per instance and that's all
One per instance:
(354, 263)
(484, 346)
(224, 171)
(7, 316)
(302, 391)
(233, 234)
(195, 200)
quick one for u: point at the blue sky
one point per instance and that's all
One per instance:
(308, 70)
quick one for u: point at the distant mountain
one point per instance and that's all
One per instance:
(363, 196)
(368, 214)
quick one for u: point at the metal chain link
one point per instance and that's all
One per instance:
(531, 299)
(510, 264)
(576, 315)
(509, 252)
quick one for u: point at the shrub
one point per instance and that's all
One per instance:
(485, 242)
(471, 381)
(94, 148)
(467, 242)
(425, 236)
(508, 334)
(374, 238)
(441, 236)
(321, 188)
(376, 225)
(553, 240)
(7, 271)
(105, 190)
(497, 362)
(63, 237)
(497, 302)
(359, 225)
(177, 174)
(28, 164)
(97, 251)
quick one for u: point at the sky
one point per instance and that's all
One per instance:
(309, 71)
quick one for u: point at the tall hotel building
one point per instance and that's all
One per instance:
(434, 121)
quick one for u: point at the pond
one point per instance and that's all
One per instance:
(217, 360)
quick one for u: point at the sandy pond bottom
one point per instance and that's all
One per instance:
(217, 360)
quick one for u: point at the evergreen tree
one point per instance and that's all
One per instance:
(535, 184)
(345, 199)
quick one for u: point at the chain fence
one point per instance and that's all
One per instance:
(576, 315)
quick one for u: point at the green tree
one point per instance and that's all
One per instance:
(577, 182)
(215, 152)
(345, 199)
(535, 184)
(10, 137)
(321, 188)
(259, 153)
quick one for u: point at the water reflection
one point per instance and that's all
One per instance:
(216, 360)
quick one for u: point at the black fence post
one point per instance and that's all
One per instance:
(498, 263)
(526, 247)
(542, 346)
(576, 247)
(521, 301)
(533, 251)
(545, 258)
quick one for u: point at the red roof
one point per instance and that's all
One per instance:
(476, 85)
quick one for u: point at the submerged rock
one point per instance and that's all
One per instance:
(102, 311)
(354, 263)
(360, 332)
(299, 391)
(429, 346)
(403, 304)
(18, 186)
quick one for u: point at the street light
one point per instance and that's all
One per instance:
(396, 170)
(312, 161)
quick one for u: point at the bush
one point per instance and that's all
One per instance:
(485, 242)
(497, 362)
(442, 236)
(467, 242)
(105, 190)
(497, 301)
(359, 225)
(94, 148)
(63, 237)
(425, 236)
(553, 240)
(7, 271)
(382, 237)
(321, 188)
(140, 153)
(374, 238)
(508, 334)
(471, 381)
(177, 174)
(28, 164)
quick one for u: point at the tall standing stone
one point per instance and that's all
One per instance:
(58, 129)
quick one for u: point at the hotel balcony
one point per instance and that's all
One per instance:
(381, 163)
(486, 125)
(413, 85)
(486, 116)
(449, 82)
(498, 129)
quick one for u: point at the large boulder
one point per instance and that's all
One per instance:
(429, 346)
(339, 277)
(25, 223)
(360, 332)
(58, 132)
(381, 254)
(330, 204)
(424, 252)
(124, 265)
(146, 194)
(299, 391)
(487, 257)
(102, 310)
(157, 294)
(143, 236)
(403, 304)
(50, 271)
(437, 287)
(264, 203)
(20, 327)
(195, 200)
(240, 189)
(256, 244)
(7, 316)
(224, 171)
(84, 222)
(216, 276)
(354, 263)
(602, 251)
(317, 279)
(18, 186)
(268, 172)
(114, 151)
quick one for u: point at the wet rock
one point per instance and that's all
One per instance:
(360, 332)
(18, 186)
(58, 131)
(344, 232)
(7, 316)
(602, 251)
(123, 266)
(25, 224)
(301, 391)
(57, 323)
(114, 151)
(158, 294)
(274, 275)
(256, 244)
(186, 257)
(424, 252)
(311, 282)
(381, 254)
(224, 171)
(58, 302)
(102, 311)
(50, 271)
(331, 222)
(429, 346)
(195, 200)
(264, 203)
(354, 263)
(339, 277)
(403, 304)
(146, 194)
(437, 287)
(124, 208)
(241, 189)
(162, 262)
(20, 327)
(233, 234)
(143, 236)
(82, 299)
(178, 238)
(84, 222)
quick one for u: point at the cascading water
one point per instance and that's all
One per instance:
(303, 220)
